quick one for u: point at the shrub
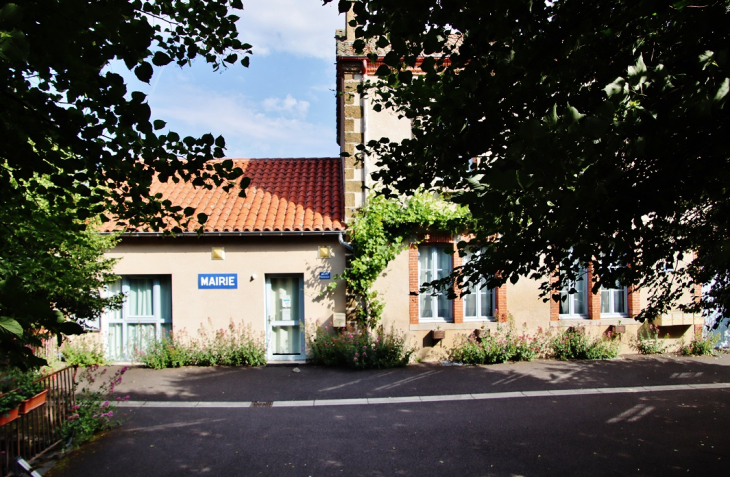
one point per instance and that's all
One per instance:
(95, 405)
(234, 346)
(573, 343)
(498, 347)
(84, 350)
(648, 342)
(358, 349)
(699, 345)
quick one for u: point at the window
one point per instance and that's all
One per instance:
(613, 300)
(479, 304)
(144, 317)
(575, 305)
(433, 264)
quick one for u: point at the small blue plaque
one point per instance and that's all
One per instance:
(325, 276)
(218, 280)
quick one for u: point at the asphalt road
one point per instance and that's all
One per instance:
(636, 416)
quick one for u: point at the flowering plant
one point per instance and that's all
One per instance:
(235, 346)
(700, 345)
(95, 404)
(574, 343)
(505, 344)
(358, 349)
(648, 342)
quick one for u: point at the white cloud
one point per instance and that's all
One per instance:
(300, 27)
(249, 130)
(287, 106)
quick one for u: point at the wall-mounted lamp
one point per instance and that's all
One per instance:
(325, 252)
(217, 253)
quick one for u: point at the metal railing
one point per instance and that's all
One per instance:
(32, 434)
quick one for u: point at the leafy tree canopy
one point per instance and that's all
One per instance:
(576, 132)
(77, 144)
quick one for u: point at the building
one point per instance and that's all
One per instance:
(418, 315)
(266, 260)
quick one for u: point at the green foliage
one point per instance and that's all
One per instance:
(500, 346)
(358, 349)
(381, 230)
(16, 386)
(699, 345)
(78, 144)
(51, 277)
(95, 405)
(9, 401)
(234, 346)
(84, 350)
(573, 343)
(598, 127)
(648, 341)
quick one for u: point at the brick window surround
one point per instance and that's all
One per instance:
(500, 295)
(594, 300)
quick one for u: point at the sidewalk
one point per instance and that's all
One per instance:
(240, 387)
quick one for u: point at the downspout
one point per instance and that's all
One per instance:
(365, 174)
(340, 238)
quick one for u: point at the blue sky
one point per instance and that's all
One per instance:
(283, 105)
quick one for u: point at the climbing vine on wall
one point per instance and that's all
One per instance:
(384, 228)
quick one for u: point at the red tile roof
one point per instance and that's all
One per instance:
(285, 195)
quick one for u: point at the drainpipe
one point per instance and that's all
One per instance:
(341, 239)
(365, 174)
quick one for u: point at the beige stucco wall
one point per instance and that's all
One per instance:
(252, 258)
(379, 124)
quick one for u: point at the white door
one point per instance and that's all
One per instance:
(285, 317)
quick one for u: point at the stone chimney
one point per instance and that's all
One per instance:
(350, 117)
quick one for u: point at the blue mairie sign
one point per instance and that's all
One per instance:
(218, 281)
(325, 276)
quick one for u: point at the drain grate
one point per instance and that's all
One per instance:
(262, 403)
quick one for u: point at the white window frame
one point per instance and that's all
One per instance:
(571, 299)
(612, 302)
(124, 318)
(434, 250)
(478, 297)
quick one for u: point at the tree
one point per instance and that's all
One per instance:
(576, 132)
(52, 268)
(77, 144)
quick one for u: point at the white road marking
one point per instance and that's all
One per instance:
(436, 398)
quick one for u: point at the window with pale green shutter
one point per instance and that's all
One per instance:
(145, 316)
